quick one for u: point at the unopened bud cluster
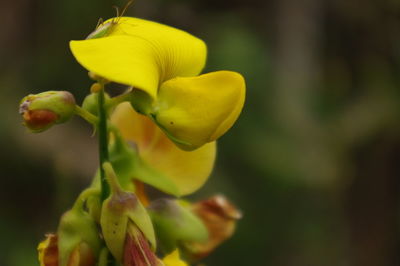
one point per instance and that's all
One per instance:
(129, 231)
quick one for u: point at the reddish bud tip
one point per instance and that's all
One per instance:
(48, 251)
(45, 109)
(39, 120)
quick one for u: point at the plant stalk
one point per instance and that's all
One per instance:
(103, 142)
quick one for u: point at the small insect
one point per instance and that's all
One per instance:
(102, 29)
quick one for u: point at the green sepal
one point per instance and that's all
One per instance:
(142, 220)
(93, 204)
(113, 226)
(174, 223)
(76, 227)
(128, 165)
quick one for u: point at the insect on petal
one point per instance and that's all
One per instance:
(142, 54)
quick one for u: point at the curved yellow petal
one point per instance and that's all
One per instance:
(173, 259)
(198, 110)
(188, 170)
(141, 53)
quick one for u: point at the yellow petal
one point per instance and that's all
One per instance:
(188, 170)
(173, 259)
(197, 110)
(142, 54)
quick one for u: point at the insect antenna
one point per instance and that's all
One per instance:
(120, 14)
(126, 7)
(99, 22)
(116, 10)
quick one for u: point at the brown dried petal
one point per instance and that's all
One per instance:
(219, 216)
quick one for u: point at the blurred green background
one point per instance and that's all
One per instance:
(313, 161)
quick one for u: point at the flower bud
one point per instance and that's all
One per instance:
(91, 102)
(174, 223)
(219, 216)
(125, 222)
(43, 110)
(78, 239)
(48, 251)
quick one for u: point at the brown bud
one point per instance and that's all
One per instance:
(48, 251)
(219, 216)
(82, 255)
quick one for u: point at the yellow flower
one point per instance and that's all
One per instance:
(163, 63)
(187, 170)
(173, 259)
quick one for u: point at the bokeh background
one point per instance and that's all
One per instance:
(313, 161)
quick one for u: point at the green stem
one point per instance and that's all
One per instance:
(103, 142)
(92, 119)
(119, 99)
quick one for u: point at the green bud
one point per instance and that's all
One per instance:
(120, 211)
(43, 110)
(91, 102)
(78, 237)
(174, 223)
